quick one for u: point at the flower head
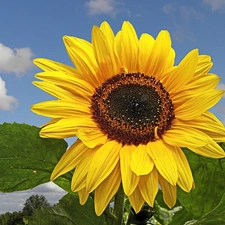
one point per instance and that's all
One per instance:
(132, 110)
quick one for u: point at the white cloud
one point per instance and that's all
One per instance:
(215, 5)
(6, 102)
(185, 12)
(18, 60)
(222, 87)
(182, 17)
(169, 8)
(182, 32)
(190, 13)
(96, 7)
(15, 201)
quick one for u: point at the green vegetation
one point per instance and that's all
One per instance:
(19, 218)
(28, 161)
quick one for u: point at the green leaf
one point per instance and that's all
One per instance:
(26, 160)
(181, 217)
(50, 216)
(173, 216)
(209, 176)
(68, 212)
(216, 216)
(64, 182)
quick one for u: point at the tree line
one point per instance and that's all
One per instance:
(19, 218)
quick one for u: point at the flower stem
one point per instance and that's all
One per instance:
(119, 206)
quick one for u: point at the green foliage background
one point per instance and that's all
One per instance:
(26, 160)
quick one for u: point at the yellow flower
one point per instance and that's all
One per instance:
(132, 111)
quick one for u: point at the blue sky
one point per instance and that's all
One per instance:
(31, 29)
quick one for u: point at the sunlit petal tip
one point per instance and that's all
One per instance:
(69, 41)
(99, 210)
(126, 23)
(136, 200)
(83, 196)
(37, 60)
(105, 24)
(53, 175)
(205, 58)
(66, 39)
(165, 34)
(169, 192)
(43, 63)
(35, 83)
(57, 172)
(44, 134)
(95, 29)
(127, 27)
(195, 51)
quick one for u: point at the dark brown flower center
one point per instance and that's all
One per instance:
(132, 108)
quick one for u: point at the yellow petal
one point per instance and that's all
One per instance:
(202, 59)
(203, 66)
(118, 44)
(194, 87)
(148, 186)
(209, 124)
(50, 65)
(129, 178)
(82, 55)
(176, 79)
(195, 106)
(103, 164)
(161, 57)
(62, 108)
(67, 127)
(185, 179)
(68, 82)
(108, 32)
(136, 200)
(55, 120)
(82, 168)
(213, 118)
(83, 196)
(202, 70)
(169, 64)
(128, 47)
(92, 137)
(110, 38)
(146, 44)
(106, 190)
(169, 192)
(212, 150)
(104, 54)
(212, 126)
(182, 136)
(141, 163)
(69, 159)
(53, 90)
(164, 160)
(203, 83)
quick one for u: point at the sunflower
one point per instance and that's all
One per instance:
(132, 110)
